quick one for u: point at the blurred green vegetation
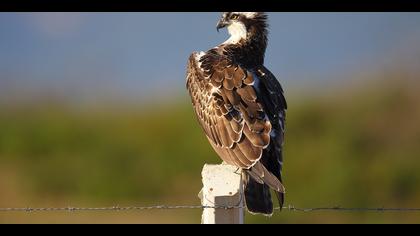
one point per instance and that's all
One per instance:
(356, 146)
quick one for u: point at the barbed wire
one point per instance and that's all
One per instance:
(167, 207)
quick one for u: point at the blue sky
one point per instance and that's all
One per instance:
(135, 54)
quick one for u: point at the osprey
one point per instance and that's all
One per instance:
(241, 107)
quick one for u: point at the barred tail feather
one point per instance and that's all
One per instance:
(261, 174)
(258, 197)
(258, 181)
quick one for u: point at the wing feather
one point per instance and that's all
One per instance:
(228, 109)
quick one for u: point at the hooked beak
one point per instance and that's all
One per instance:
(221, 24)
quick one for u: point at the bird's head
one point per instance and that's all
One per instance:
(241, 24)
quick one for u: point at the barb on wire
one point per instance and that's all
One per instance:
(167, 207)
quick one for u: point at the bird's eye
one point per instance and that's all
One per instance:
(234, 17)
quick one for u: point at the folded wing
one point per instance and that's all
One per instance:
(224, 97)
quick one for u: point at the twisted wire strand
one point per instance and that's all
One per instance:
(177, 207)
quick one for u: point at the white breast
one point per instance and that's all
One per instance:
(237, 31)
